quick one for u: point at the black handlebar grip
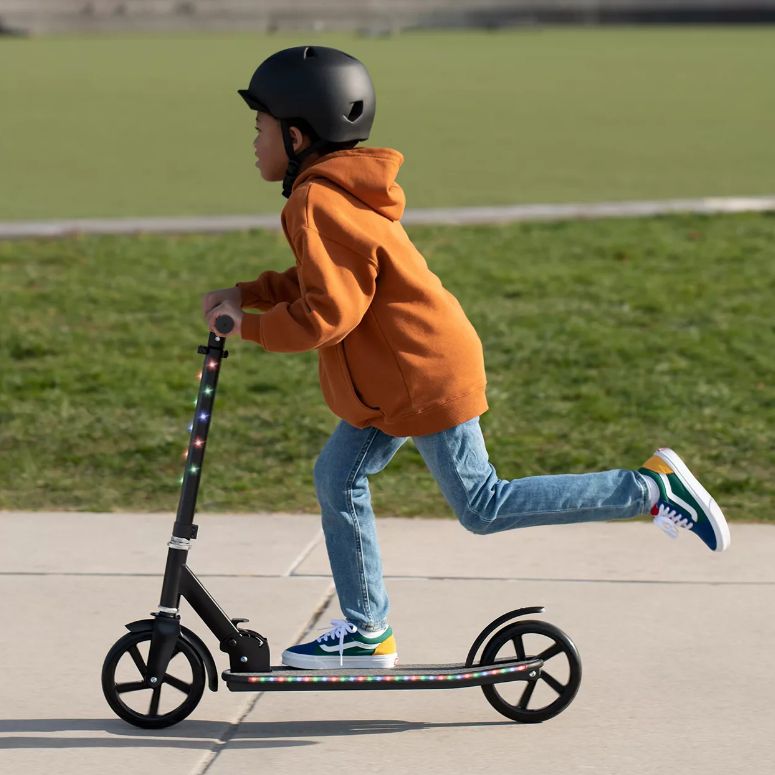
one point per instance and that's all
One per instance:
(224, 324)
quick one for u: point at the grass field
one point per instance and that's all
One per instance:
(602, 340)
(111, 125)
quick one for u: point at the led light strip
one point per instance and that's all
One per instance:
(211, 364)
(260, 679)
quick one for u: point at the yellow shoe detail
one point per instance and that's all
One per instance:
(656, 464)
(387, 646)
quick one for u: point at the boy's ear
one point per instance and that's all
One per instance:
(298, 139)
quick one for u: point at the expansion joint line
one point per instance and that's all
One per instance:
(231, 730)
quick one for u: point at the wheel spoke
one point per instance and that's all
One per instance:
(181, 686)
(153, 710)
(526, 695)
(131, 686)
(134, 652)
(553, 682)
(519, 647)
(552, 651)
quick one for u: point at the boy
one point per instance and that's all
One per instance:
(397, 355)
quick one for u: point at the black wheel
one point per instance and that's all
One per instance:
(550, 692)
(123, 683)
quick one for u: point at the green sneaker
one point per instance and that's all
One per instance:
(344, 645)
(684, 502)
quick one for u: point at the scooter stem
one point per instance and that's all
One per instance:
(208, 383)
(167, 625)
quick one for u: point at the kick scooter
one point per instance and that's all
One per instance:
(155, 675)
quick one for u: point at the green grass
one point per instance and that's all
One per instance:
(602, 340)
(121, 125)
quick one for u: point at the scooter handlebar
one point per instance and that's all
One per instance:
(224, 324)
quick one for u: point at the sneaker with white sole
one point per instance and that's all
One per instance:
(683, 502)
(344, 645)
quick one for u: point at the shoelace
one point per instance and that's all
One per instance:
(341, 627)
(670, 520)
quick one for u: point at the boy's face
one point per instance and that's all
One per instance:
(271, 158)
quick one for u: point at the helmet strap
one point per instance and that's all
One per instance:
(294, 159)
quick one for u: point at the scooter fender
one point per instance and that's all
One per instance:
(492, 626)
(144, 625)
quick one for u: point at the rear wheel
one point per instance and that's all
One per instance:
(151, 707)
(556, 684)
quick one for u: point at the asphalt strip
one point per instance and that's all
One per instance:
(457, 216)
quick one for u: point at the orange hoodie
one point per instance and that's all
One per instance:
(395, 349)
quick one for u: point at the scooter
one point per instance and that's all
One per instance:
(160, 654)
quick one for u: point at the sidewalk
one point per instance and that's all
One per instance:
(449, 216)
(676, 645)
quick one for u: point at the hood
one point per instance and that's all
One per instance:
(369, 174)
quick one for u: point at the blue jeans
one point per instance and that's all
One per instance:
(484, 504)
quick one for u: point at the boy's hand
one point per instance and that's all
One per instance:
(214, 298)
(226, 308)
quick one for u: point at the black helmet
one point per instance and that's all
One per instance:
(329, 90)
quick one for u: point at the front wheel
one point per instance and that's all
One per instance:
(177, 694)
(552, 690)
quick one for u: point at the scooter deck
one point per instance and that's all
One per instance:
(448, 676)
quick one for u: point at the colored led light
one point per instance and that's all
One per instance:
(193, 469)
(208, 391)
(199, 375)
(180, 481)
(382, 678)
(203, 416)
(212, 364)
(190, 427)
(199, 443)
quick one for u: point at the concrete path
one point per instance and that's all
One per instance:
(676, 644)
(449, 216)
